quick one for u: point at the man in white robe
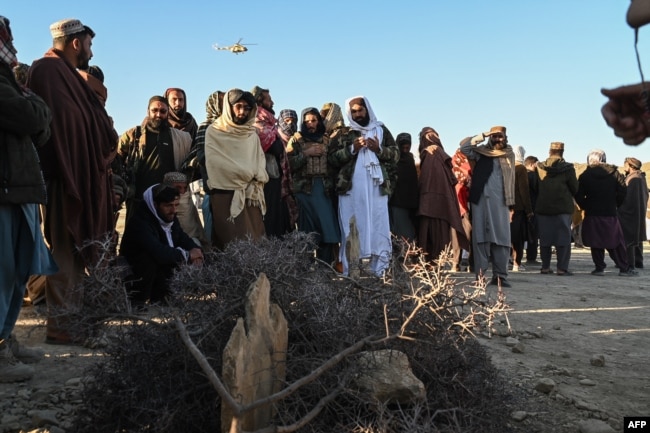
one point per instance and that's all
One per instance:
(366, 156)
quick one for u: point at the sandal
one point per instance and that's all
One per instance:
(546, 271)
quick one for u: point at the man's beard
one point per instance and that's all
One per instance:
(498, 145)
(156, 124)
(363, 121)
(178, 113)
(82, 60)
(240, 120)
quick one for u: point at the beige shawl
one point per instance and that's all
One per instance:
(235, 161)
(507, 163)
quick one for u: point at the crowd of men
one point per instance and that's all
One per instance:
(343, 178)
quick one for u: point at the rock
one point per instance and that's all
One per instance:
(597, 360)
(519, 415)
(545, 385)
(42, 418)
(594, 426)
(511, 342)
(587, 382)
(75, 381)
(387, 377)
(519, 348)
(583, 405)
(9, 419)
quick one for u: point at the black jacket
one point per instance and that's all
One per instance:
(143, 235)
(601, 190)
(24, 123)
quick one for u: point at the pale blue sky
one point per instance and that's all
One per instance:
(459, 66)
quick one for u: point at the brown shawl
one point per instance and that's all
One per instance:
(100, 90)
(181, 119)
(80, 149)
(437, 187)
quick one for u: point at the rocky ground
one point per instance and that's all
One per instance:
(577, 346)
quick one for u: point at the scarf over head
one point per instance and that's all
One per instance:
(166, 226)
(234, 158)
(7, 49)
(213, 106)
(374, 129)
(320, 129)
(285, 129)
(266, 127)
(180, 119)
(520, 154)
(428, 140)
(334, 118)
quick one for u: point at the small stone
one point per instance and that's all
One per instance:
(511, 342)
(583, 405)
(557, 327)
(587, 382)
(519, 348)
(597, 360)
(519, 415)
(42, 418)
(594, 426)
(545, 385)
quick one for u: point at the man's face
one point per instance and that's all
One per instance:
(311, 122)
(267, 101)
(240, 112)
(157, 113)
(167, 211)
(176, 100)
(498, 141)
(360, 114)
(405, 147)
(85, 52)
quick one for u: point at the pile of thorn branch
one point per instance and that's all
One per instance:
(161, 369)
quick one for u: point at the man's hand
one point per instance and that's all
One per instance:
(477, 139)
(626, 114)
(316, 150)
(196, 256)
(372, 144)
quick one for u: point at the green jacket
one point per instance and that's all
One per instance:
(301, 182)
(341, 158)
(556, 186)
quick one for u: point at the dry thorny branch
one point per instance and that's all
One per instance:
(161, 372)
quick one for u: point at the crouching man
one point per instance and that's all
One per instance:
(154, 244)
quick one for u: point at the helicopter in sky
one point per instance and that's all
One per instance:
(236, 48)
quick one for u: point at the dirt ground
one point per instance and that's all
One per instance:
(562, 325)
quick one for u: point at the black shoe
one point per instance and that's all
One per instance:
(498, 281)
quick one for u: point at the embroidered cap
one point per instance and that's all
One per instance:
(557, 145)
(68, 26)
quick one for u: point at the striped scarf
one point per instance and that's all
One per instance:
(7, 49)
